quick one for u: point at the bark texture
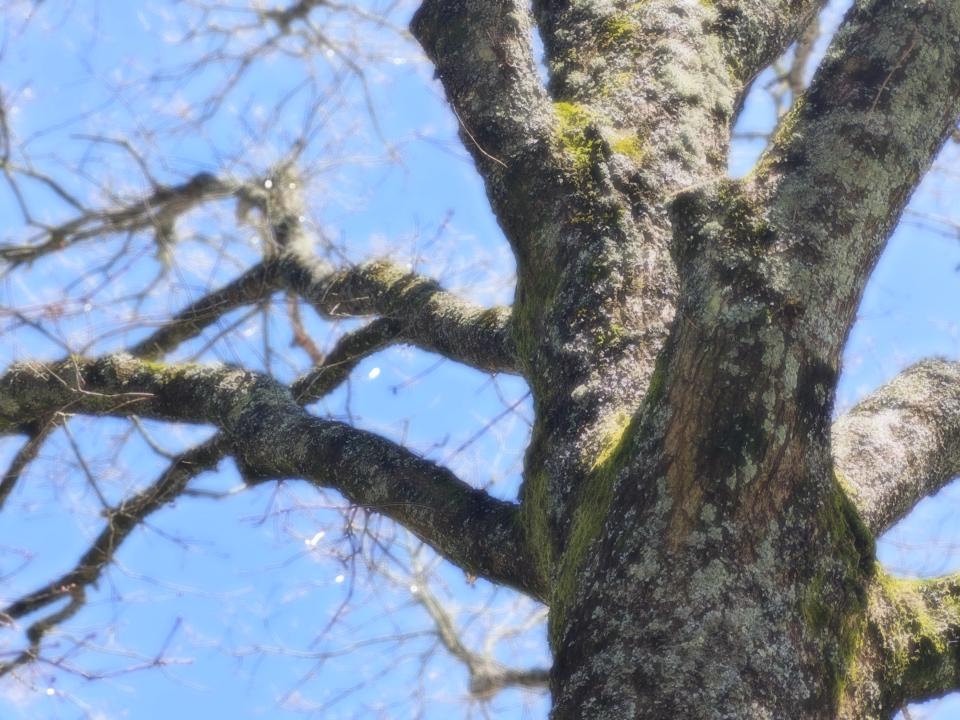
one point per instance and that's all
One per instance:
(701, 532)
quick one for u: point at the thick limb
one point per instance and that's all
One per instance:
(844, 162)
(907, 646)
(484, 59)
(901, 443)
(273, 437)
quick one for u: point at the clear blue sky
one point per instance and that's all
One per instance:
(214, 582)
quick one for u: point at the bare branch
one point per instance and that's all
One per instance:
(901, 443)
(345, 356)
(39, 628)
(273, 437)
(125, 518)
(157, 212)
(238, 39)
(301, 338)
(121, 521)
(487, 675)
(26, 454)
(418, 310)
(429, 317)
(254, 285)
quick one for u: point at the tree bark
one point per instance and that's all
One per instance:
(682, 333)
(702, 532)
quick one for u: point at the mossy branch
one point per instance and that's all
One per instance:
(428, 316)
(910, 646)
(273, 437)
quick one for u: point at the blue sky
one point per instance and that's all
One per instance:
(239, 592)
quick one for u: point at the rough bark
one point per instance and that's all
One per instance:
(729, 573)
(272, 437)
(901, 443)
(904, 646)
(701, 533)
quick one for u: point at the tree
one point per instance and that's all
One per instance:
(700, 529)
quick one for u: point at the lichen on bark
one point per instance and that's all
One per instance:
(702, 534)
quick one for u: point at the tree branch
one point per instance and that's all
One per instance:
(753, 32)
(487, 675)
(695, 61)
(273, 437)
(901, 443)
(121, 521)
(909, 648)
(255, 284)
(158, 212)
(429, 317)
(37, 436)
(345, 356)
(483, 57)
(420, 311)
(844, 162)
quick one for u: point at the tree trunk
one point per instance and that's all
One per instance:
(682, 334)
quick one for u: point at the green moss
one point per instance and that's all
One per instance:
(593, 503)
(534, 507)
(658, 381)
(535, 501)
(915, 638)
(615, 31)
(835, 600)
(574, 134)
(536, 290)
(127, 369)
(863, 546)
(629, 146)
(608, 337)
(155, 366)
